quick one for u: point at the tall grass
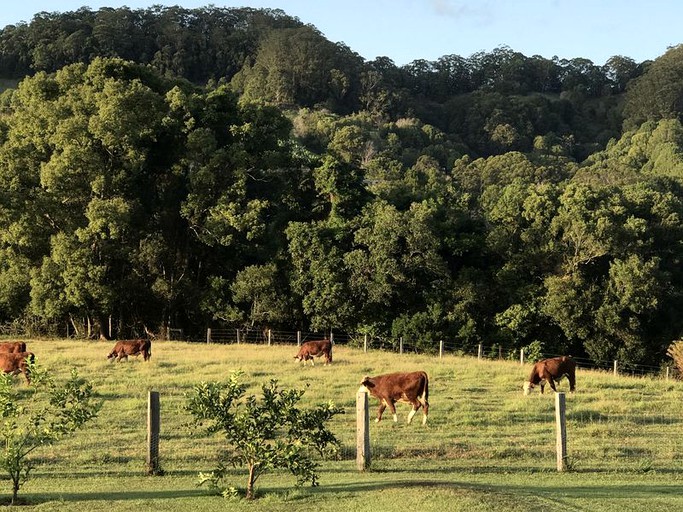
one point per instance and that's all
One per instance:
(486, 446)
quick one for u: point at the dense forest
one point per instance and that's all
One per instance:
(187, 168)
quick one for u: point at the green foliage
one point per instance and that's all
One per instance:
(301, 185)
(675, 352)
(46, 413)
(534, 351)
(657, 93)
(263, 435)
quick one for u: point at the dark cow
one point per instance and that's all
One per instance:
(551, 370)
(12, 362)
(311, 349)
(410, 387)
(126, 348)
(15, 347)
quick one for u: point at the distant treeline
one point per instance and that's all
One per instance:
(175, 168)
(267, 54)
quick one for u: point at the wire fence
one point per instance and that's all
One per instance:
(471, 425)
(492, 351)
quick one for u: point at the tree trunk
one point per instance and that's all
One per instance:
(250, 482)
(75, 326)
(15, 490)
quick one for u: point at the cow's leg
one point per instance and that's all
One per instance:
(425, 410)
(382, 406)
(552, 384)
(572, 382)
(392, 408)
(543, 382)
(416, 406)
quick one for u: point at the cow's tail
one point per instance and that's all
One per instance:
(425, 391)
(424, 399)
(147, 350)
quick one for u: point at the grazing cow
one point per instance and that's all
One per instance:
(405, 387)
(12, 362)
(311, 349)
(15, 347)
(126, 348)
(550, 370)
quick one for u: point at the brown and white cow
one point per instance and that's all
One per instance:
(412, 387)
(15, 347)
(312, 349)
(13, 362)
(551, 370)
(125, 348)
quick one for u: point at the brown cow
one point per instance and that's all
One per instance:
(15, 347)
(405, 387)
(126, 348)
(11, 362)
(311, 349)
(550, 370)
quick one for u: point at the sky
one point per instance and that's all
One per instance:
(407, 30)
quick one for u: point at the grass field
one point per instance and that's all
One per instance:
(486, 447)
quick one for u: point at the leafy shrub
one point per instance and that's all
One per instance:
(675, 351)
(262, 435)
(39, 416)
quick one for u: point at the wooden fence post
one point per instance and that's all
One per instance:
(561, 425)
(208, 335)
(365, 343)
(362, 430)
(500, 352)
(480, 351)
(331, 337)
(298, 338)
(400, 345)
(153, 426)
(238, 336)
(269, 337)
(440, 349)
(521, 356)
(615, 367)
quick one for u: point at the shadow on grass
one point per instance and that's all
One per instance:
(636, 491)
(43, 497)
(387, 479)
(69, 475)
(497, 470)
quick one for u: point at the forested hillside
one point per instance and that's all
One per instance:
(183, 168)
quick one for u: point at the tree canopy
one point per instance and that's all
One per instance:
(182, 168)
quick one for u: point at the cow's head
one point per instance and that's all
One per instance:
(367, 382)
(528, 386)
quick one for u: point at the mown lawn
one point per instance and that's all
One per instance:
(486, 447)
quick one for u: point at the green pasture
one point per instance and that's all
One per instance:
(486, 447)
